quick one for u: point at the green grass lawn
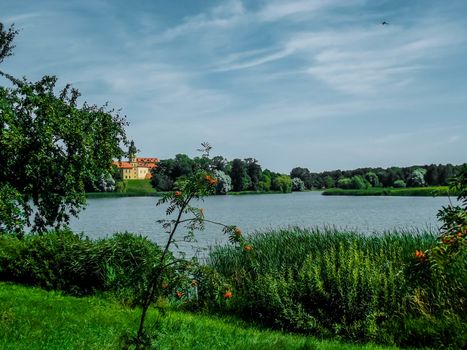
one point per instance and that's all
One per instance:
(31, 318)
(135, 188)
(378, 191)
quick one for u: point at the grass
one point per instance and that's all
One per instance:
(134, 188)
(360, 287)
(240, 193)
(31, 318)
(435, 191)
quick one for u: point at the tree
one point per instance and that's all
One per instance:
(238, 175)
(372, 178)
(132, 150)
(224, 182)
(359, 183)
(6, 41)
(432, 177)
(254, 171)
(304, 175)
(283, 183)
(399, 184)
(219, 163)
(48, 148)
(417, 178)
(344, 183)
(329, 182)
(265, 183)
(298, 184)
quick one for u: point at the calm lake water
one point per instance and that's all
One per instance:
(105, 216)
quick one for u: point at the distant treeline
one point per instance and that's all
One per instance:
(247, 175)
(362, 178)
(237, 175)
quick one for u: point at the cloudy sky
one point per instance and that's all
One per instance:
(318, 83)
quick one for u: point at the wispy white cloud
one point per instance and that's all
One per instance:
(220, 17)
(322, 77)
(300, 9)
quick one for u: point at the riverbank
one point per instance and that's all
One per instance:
(133, 188)
(438, 191)
(31, 318)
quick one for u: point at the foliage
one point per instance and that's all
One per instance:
(417, 178)
(329, 182)
(282, 183)
(360, 183)
(76, 265)
(254, 172)
(304, 175)
(399, 184)
(384, 191)
(372, 178)
(435, 175)
(121, 186)
(197, 186)
(6, 41)
(298, 184)
(344, 183)
(238, 174)
(341, 283)
(32, 319)
(224, 182)
(49, 148)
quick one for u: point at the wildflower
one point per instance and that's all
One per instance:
(447, 240)
(420, 255)
(179, 294)
(178, 193)
(228, 295)
(237, 232)
(248, 248)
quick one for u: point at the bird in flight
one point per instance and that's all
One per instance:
(384, 23)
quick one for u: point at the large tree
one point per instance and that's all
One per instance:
(6, 41)
(49, 147)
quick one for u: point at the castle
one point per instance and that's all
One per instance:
(136, 168)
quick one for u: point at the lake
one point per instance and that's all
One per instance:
(105, 216)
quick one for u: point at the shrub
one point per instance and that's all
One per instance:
(283, 183)
(68, 262)
(298, 184)
(399, 184)
(339, 283)
(344, 183)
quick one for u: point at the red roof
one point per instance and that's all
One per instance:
(142, 163)
(123, 165)
(147, 160)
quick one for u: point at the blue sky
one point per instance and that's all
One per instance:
(319, 84)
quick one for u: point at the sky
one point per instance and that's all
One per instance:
(320, 84)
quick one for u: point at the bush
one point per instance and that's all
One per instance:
(399, 184)
(65, 261)
(339, 283)
(298, 184)
(283, 183)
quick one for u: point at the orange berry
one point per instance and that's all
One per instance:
(178, 193)
(248, 248)
(228, 295)
(179, 294)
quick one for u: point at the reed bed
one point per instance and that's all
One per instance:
(336, 283)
